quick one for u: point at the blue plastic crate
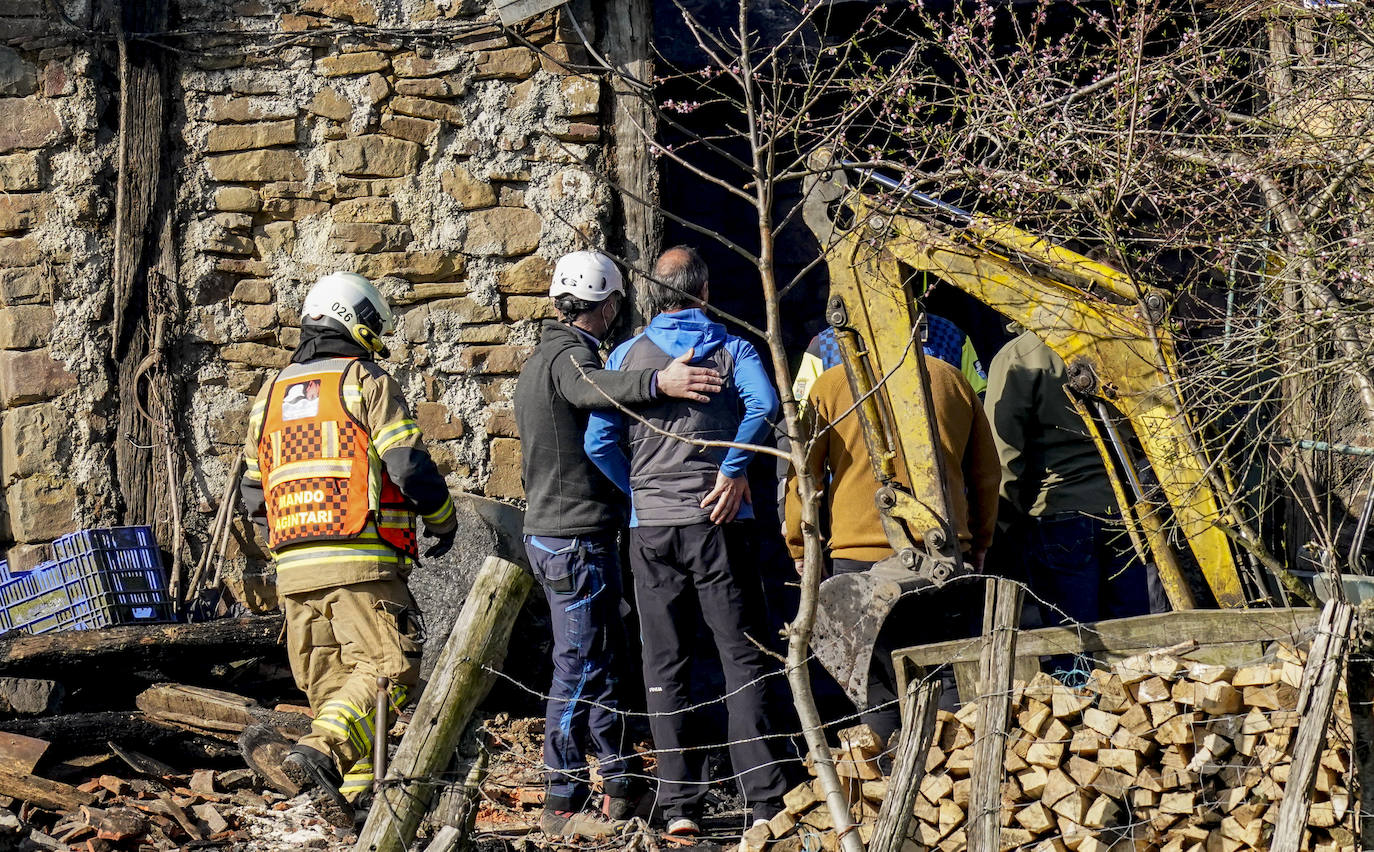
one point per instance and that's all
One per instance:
(99, 578)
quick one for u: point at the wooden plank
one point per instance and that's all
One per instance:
(1126, 635)
(20, 754)
(1002, 614)
(52, 795)
(445, 840)
(627, 44)
(918, 727)
(1317, 695)
(460, 681)
(86, 733)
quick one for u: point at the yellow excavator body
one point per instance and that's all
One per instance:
(1113, 334)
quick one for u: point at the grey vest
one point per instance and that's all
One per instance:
(669, 477)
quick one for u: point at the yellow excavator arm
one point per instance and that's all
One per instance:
(1112, 333)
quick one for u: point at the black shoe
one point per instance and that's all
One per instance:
(766, 810)
(315, 772)
(619, 807)
(623, 797)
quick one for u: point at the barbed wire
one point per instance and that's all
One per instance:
(517, 764)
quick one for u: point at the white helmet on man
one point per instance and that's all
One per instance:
(348, 301)
(587, 275)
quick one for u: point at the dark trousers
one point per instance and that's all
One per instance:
(919, 618)
(683, 575)
(1085, 568)
(581, 580)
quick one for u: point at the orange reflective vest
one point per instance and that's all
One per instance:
(322, 479)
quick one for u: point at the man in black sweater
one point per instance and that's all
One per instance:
(572, 521)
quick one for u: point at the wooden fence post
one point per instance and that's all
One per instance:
(460, 681)
(918, 725)
(1001, 616)
(1320, 678)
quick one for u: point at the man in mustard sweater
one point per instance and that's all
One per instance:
(854, 537)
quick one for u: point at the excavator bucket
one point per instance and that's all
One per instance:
(850, 613)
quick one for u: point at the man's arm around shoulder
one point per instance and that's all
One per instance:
(583, 382)
(604, 441)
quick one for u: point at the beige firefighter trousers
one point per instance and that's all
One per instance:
(339, 641)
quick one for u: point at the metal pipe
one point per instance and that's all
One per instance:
(1119, 447)
(1353, 557)
(919, 197)
(1324, 447)
(379, 732)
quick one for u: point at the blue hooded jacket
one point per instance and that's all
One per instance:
(675, 333)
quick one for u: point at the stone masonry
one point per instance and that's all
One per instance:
(412, 141)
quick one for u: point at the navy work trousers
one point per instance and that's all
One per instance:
(1085, 568)
(683, 575)
(581, 580)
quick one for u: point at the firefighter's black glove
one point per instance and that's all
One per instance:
(443, 543)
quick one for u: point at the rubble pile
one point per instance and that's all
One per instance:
(1158, 753)
(97, 761)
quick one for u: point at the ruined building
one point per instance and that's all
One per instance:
(173, 176)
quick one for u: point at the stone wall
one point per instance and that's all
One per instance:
(54, 443)
(414, 142)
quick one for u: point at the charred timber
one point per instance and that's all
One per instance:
(160, 646)
(90, 733)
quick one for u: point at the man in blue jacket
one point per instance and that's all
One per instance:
(573, 519)
(690, 539)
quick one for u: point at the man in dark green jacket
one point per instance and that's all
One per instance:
(573, 518)
(1078, 555)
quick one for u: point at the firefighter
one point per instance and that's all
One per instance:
(336, 474)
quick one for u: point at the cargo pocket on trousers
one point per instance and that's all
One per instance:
(403, 622)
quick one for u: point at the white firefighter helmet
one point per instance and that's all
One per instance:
(349, 301)
(587, 275)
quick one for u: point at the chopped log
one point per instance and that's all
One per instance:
(800, 799)
(20, 754)
(52, 795)
(460, 681)
(1320, 678)
(1002, 608)
(782, 823)
(214, 708)
(918, 726)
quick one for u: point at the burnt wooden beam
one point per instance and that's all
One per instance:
(205, 644)
(90, 733)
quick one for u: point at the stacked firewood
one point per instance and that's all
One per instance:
(1157, 753)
